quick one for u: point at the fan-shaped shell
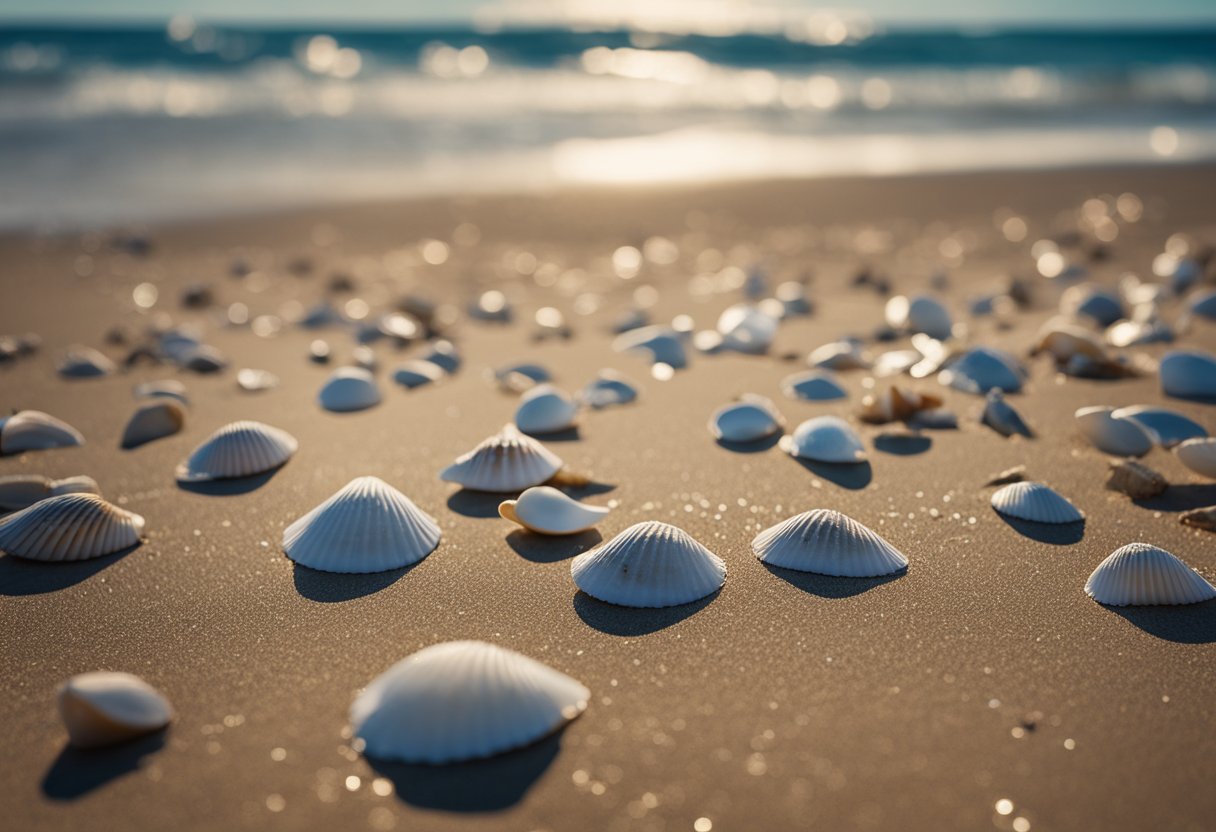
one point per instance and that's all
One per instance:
(1199, 455)
(1140, 574)
(662, 344)
(745, 328)
(239, 449)
(1002, 417)
(416, 373)
(462, 700)
(812, 386)
(982, 369)
(69, 527)
(546, 510)
(545, 409)
(23, 490)
(825, 439)
(33, 430)
(104, 708)
(1188, 375)
(1164, 426)
(650, 564)
(166, 388)
(85, 362)
(367, 526)
(608, 388)
(828, 543)
(748, 420)
(153, 420)
(349, 388)
(508, 461)
(1120, 437)
(1035, 502)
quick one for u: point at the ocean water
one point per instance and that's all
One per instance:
(146, 124)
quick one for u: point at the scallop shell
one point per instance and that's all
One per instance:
(69, 527)
(348, 389)
(546, 510)
(608, 389)
(508, 461)
(1035, 502)
(416, 373)
(166, 388)
(255, 381)
(750, 419)
(545, 409)
(982, 369)
(828, 543)
(1139, 574)
(23, 490)
(1199, 455)
(85, 362)
(1120, 437)
(104, 708)
(1002, 417)
(920, 313)
(462, 700)
(744, 328)
(1165, 427)
(1188, 375)
(33, 430)
(662, 344)
(650, 564)
(825, 439)
(839, 355)
(153, 420)
(367, 526)
(812, 386)
(239, 449)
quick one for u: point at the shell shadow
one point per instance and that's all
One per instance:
(489, 785)
(540, 548)
(1057, 534)
(567, 435)
(754, 447)
(851, 475)
(479, 504)
(902, 444)
(589, 489)
(335, 587)
(830, 586)
(1189, 624)
(1182, 498)
(634, 621)
(75, 773)
(19, 576)
(229, 487)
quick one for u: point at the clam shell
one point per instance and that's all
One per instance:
(920, 313)
(748, 420)
(23, 490)
(824, 439)
(239, 449)
(444, 355)
(348, 389)
(1199, 455)
(545, 409)
(608, 388)
(255, 381)
(546, 510)
(1188, 375)
(367, 526)
(744, 328)
(508, 461)
(1139, 574)
(838, 355)
(1035, 502)
(1120, 437)
(104, 708)
(982, 369)
(33, 430)
(166, 388)
(828, 543)
(416, 373)
(662, 344)
(69, 527)
(153, 420)
(812, 386)
(1164, 426)
(650, 564)
(85, 362)
(1001, 416)
(462, 700)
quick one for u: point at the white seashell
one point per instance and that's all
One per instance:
(508, 461)
(255, 381)
(1002, 417)
(894, 362)
(491, 306)
(520, 377)
(1199, 455)
(444, 355)
(1189, 375)
(748, 420)
(85, 362)
(239, 449)
(167, 388)
(921, 313)
(1035, 502)
(104, 708)
(828, 543)
(745, 328)
(545, 409)
(153, 420)
(1139, 574)
(1164, 426)
(368, 526)
(69, 527)
(663, 345)
(839, 355)
(1135, 333)
(824, 439)
(812, 386)
(793, 298)
(365, 357)
(1102, 306)
(33, 430)
(348, 389)
(650, 564)
(934, 354)
(1120, 437)
(462, 700)
(608, 388)
(23, 490)
(546, 510)
(1203, 305)
(416, 373)
(981, 369)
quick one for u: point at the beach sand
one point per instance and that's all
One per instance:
(787, 701)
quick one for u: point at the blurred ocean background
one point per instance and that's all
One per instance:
(134, 122)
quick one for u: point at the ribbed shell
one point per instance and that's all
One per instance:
(1164, 426)
(153, 420)
(23, 490)
(545, 409)
(812, 386)
(1199, 455)
(347, 389)
(748, 420)
(1035, 502)
(828, 543)
(368, 526)
(1139, 574)
(240, 449)
(1188, 374)
(33, 430)
(1120, 437)
(508, 461)
(69, 527)
(462, 700)
(650, 564)
(825, 439)
(548, 511)
(982, 369)
(104, 708)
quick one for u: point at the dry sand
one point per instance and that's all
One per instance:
(785, 702)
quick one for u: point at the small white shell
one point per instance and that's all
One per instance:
(825, 439)
(462, 700)
(828, 543)
(1002, 417)
(750, 419)
(85, 362)
(812, 386)
(1035, 502)
(981, 369)
(650, 564)
(839, 355)
(921, 313)
(239, 449)
(348, 389)
(663, 345)
(367, 526)
(33, 430)
(745, 328)
(1120, 437)
(1140, 574)
(417, 372)
(104, 708)
(1188, 375)
(168, 388)
(153, 420)
(69, 527)
(609, 388)
(1199, 455)
(1164, 426)
(546, 510)
(255, 381)
(545, 409)
(508, 461)
(23, 490)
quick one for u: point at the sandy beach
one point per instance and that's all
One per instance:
(785, 701)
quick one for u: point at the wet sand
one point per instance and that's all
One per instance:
(786, 701)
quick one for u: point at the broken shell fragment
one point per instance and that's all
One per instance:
(650, 564)
(33, 430)
(825, 439)
(69, 527)
(1135, 480)
(104, 708)
(152, 421)
(828, 543)
(546, 510)
(748, 420)
(895, 404)
(508, 461)
(1139, 574)
(239, 449)
(1035, 502)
